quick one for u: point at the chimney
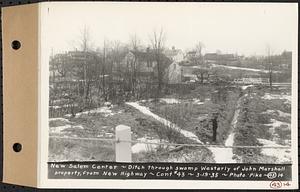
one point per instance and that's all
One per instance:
(148, 49)
(173, 48)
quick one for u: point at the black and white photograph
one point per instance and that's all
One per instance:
(170, 84)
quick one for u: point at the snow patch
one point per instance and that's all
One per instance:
(170, 100)
(269, 96)
(246, 86)
(60, 119)
(78, 127)
(243, 68)
(59, 129)
(55, 107)
(143, 147)
(109, 135)
(282, 155)
(283, 114)
(278, 112)
(202, 117)
(222, 155)
(108, 104)
(275, 123)
(106, 111)
(146, 111)
(198, 102)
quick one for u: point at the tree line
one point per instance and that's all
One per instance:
(87, 77)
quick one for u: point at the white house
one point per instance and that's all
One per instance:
(176, 55)
(174, 73)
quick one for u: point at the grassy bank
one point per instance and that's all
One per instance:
(198, 105)
(258, 120)
(101, 125)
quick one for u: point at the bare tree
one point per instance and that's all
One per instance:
(200, 73)
(85, 46)
(117, 53)
(135, 45)
(157, 42)
(85, 39)
(269, 65)
(135, 42)
(60, 64)
(103, 71)
(197, 58)
(199, 48)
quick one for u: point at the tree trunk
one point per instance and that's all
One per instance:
(85, 89)
(214, 127)
(270, 80)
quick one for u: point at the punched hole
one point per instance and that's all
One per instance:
(17, 147)
(16, 44)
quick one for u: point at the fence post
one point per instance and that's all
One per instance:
(123, 149)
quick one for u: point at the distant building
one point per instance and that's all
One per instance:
(174, 54)
(144, 62)
(251, 81)
(188, 72)
(286, 59)
(61, 65)
(190, 55)
(211, 57)
(174, 73)
(222, 59)
(177, 73)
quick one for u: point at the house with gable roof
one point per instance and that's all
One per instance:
(173, 54)
(145, 62)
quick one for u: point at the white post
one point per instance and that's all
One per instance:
(123, 149)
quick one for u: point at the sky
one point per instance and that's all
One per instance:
(244, 29)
